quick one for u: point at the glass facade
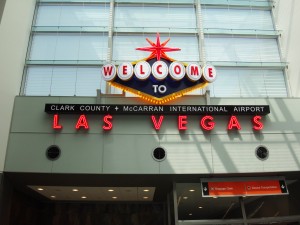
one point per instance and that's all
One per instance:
(71, 40)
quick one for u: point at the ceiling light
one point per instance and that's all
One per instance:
(192, 190)
(145, 197)
(53, 196)
(75, 190)
(110, 190)
(200, 207)
(114, 197)
(190, 214)
(40, 189)
(145, 190)
(185, 197)
(83, 197)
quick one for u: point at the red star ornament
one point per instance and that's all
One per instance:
(158, 49)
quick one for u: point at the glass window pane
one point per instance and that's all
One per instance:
(276, 205)
(73, 15)
(275, 83)
(237, 19)
(151, 16)
(63, 81)
(240, 82)
(48, 15)
(193, 206)
(69, 46)
(38, 81)
(43, 47)
(93, 47)
(88, 80)
(226, 85)
(241, 49)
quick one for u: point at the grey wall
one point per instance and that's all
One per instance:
(126, 149)
(287, 17)
(14, 34)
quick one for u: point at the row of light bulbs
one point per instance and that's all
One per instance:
(85, 197)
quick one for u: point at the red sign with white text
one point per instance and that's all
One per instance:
(244, 188)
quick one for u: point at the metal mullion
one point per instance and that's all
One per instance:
(110, 37)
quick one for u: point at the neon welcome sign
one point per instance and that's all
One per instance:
(158, 78)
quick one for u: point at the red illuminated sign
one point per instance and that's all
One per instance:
(182, 122)
(257, 124)
(233, 123)
(82, 123)
(157, 124)
(157, 114)
(206, 122)
(107, 122)
(56, 125)
(244, 188)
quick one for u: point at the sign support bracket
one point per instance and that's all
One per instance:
(242, 204)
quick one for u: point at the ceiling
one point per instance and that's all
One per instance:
(130, 188)
(191, 204)
(73, 193)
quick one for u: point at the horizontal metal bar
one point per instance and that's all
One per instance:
(199, 222)
(173, 2)
(96, 29)
(274, 65)
(242, 32)
(263, 4)
(182, 30)
(155, 30)
(67, 29)
(265, 220)
(74, 1)
(66, 62)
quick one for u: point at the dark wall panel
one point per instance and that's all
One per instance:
(108, 214)
(26, 210)
(6, 192)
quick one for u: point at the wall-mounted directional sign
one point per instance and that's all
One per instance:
(240, 187)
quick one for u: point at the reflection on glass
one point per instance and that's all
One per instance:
(275, 205)
(279, 209)
(192, 206)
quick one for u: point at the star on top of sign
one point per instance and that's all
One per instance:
(158, 49)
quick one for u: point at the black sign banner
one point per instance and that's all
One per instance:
(157, 109)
